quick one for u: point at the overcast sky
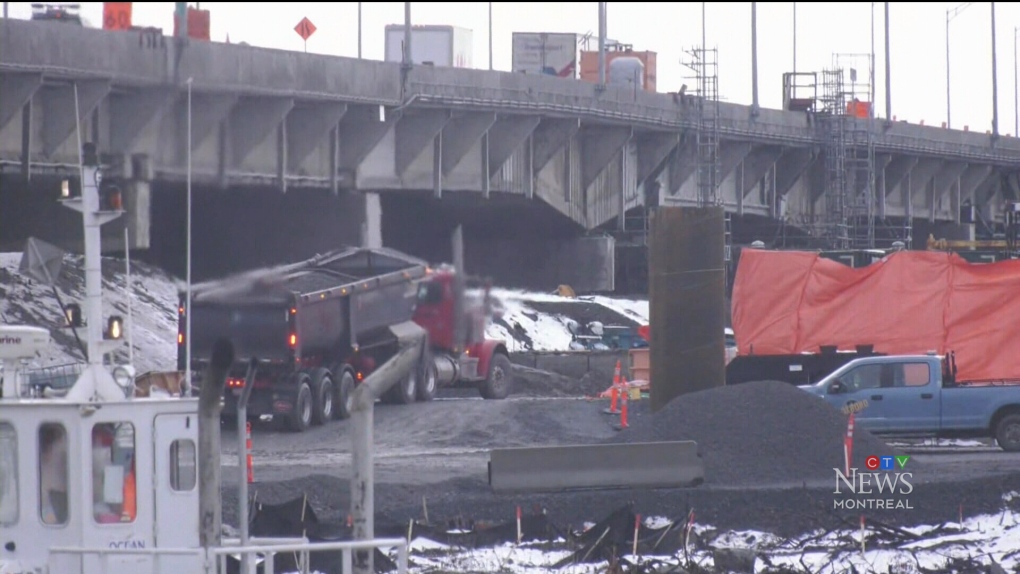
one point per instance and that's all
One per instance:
(918, 41)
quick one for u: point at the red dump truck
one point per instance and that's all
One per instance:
(321, 326)
(798, 316)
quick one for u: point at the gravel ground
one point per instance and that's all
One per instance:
(438, 451)
(764, 432)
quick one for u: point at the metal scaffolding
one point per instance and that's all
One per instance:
(704, 62)
(848, 220)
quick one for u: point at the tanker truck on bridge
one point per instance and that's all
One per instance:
(319, 327)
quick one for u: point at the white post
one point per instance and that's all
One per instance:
(187, 304)
(129, 294)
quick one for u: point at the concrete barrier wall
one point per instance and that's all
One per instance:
(597, 365)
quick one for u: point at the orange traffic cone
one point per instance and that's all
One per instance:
(623, 408)
(614, 392)
(251, 466)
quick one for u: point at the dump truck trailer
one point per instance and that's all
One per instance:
(321, 326)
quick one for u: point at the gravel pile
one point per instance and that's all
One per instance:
(759, 433)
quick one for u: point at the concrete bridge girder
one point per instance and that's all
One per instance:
(132, 113)
(882, 161)
(731, 156)
(507, 135)
(897, 171)
(462, 133)
(791, 166)
(359, 132)
(653, 150)
(599, 147)
(971, 180)
(682, 164)
(414, 132)
(16, 90)
(921, 179)
(754, 167)
(308, 127)
(945, 191)
(253, 121)
(208, 114)
(60, 117)
(550, 137)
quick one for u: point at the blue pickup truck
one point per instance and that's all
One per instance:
(916, 395)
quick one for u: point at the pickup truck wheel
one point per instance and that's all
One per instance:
(301, 415)
(1007, 433)
(345, 394)
(325, 397)
(497, 385)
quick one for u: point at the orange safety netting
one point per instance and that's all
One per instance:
(910, 302)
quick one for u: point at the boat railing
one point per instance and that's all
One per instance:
(49, 381)
(215, 559)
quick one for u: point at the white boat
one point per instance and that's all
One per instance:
(94, 479)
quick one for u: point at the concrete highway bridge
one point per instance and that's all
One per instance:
(293, 153)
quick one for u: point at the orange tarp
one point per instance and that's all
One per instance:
(910, 302)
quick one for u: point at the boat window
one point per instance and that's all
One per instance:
(114, 491)
(8, 475)
(183, 466)
(53, 506)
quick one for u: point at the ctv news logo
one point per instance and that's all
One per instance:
(883, 484)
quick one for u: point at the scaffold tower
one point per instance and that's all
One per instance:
(704, 62)
(848, 220)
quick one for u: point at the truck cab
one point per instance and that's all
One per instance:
(917, 395)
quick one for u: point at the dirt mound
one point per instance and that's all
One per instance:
(759, 433)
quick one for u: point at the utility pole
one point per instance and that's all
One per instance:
(490, 36)
(602, 44)
(181, 13)
(5, 10)
(871, 78)
(1016, 107)
(888, 71)
(995, 82)
(359, 30)
(950, 16)
(794, 37)
(754, 58)
(407, 61)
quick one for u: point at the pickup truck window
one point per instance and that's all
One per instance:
(863, 377)
(912, 375)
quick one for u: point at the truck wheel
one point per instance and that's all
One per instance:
(346, 394)
(301, 415)
(1007, 433)
(497, 385)
(427, 382)
(405, 391)
(325, 397)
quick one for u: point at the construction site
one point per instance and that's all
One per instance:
(821, 381)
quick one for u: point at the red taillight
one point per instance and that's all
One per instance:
(293, 340)
(235, 383)
(360, 375)
(180, 310)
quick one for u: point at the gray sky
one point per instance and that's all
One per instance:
(918, 41)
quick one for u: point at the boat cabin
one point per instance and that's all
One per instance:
(83, 474)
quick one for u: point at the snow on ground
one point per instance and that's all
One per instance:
(986, 540)
(25, 301)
